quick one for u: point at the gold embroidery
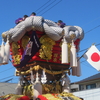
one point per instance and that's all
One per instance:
(46, 48)
(25, 40)
(16, 59)
(55, 59)
(55, 55)
(15, 48)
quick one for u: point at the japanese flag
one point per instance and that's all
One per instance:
(93, 57)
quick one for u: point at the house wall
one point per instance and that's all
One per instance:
(92, 94)
(98, 84)
(74, 87)
(7, 88)
(82, 86)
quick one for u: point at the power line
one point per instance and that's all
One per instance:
(43, 13)
(85, 52)
(88, 32)
(92, 29)
(42, 5)
(51, 7)
(92, 20)
(78, 52)
(88, 48)
(47, 6)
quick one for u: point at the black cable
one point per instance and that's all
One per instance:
(87, 48)
(55, 5)
(51, 7)
(42, 5)
(92, 29)
(85, 52)
(46, 6)
(44, 12)
(79, 51)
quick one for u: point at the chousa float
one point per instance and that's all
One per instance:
(43, 54)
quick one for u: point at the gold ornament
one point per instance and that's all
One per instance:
(46, 48)
(15, 48)
(17, 59)
(36, 68)
(25, 40)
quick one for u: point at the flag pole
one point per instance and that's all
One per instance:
(85, 52)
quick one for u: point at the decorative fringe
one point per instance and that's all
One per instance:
(37, 88)
(78, 68)
(44, 78)
(6, 52)
(2, 52)
(76, 71)
(18, 89)
(59, 96)
(65, 83)
(73, 58)
(32, 78)
(64, 51)
(46, 70)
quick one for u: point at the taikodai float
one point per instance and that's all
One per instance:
(43, 55)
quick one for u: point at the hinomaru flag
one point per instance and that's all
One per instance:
(93, 57)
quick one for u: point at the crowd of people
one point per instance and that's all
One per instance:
(60, 23)
(24, 17)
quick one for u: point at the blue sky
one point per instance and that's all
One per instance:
(83, 13)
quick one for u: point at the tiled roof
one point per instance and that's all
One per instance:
(7, 88)
(91, 78)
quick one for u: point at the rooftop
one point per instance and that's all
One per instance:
(91, 78)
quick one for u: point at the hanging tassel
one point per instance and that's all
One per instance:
(19, 87)
(21, 80)
(44, 78)
(65, 81)
(64, 51)
(16, 72)
(32, 77)
(6, 52)
(37, 88)
(2, 52)
(76, 71)
(73, 58)
(78, 68)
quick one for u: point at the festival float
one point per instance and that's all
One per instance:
(44, 55)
